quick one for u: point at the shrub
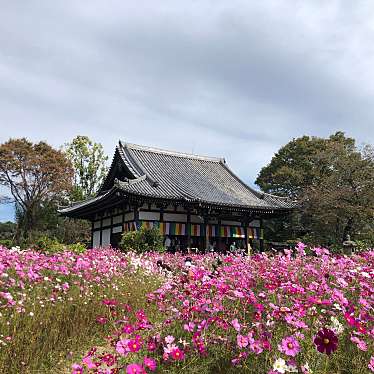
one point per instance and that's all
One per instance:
(77, 247)
(143, 240)
(49, 245)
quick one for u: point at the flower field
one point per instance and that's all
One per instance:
(104, 311)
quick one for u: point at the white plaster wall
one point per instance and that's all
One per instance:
(233, 223)
(105, 240)
(196, 219)
(97, 225)
(106, 222)
(129, 216)
(96, 239)
(117, 219)
(175, 217)
(255, 223)
(117, 229)
(151, 216)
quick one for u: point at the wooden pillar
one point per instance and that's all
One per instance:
(219, 244)
(101, 231)
(206, 233)
(188, 229)
(261, 236)
(92, 231)
(136, 215)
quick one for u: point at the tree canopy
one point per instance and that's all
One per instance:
(35, 174)
(333, 181)
(88, 160)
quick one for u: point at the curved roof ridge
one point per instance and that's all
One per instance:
(171, 153)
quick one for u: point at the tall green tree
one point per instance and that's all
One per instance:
(88, 160)
(332, 180)
(35, 175)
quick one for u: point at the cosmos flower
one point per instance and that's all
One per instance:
(135, 369)
(326, 341)
(289, 346)
(150, 363)
(177, 354)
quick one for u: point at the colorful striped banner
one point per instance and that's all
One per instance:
(177, 228)
(225, 231)
(255, 233)
(237, 232)
(195, 230)
(164, 228)
(147, 224)
(211, 230)
(129, 226)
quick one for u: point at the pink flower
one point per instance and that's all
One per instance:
(127, 329)
(242, 341)
(189, 327)
(235, 323)
(77, 369)
(101, 320)
(88, 362)
(290, 346)
(177, 354)
(122, 347)
(360, 343)
(134, 345)
(169, 339)
(134, 369)
(371, 364)
(150, 363)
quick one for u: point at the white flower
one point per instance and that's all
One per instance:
(336, 326)
(292, 369)
(31, 314)
(280, 365)
(307, 368)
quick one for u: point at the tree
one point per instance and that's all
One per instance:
(36, 175)
(88, 160)
(333, 182)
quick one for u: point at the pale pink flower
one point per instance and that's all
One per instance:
(235, 323)
(242, 341)
(289, 346)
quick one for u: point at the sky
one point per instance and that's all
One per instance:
(234, 79)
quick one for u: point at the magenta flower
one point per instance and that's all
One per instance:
(134, 345)
(290, 346)
(150, 363)
(101, 320)
(177, 354)
(134, 369)
(326, 341)
(77, 369)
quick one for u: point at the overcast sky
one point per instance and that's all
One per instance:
(234, 78)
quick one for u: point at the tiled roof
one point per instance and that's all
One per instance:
(178, 175)
(163, 174)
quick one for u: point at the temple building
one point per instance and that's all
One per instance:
(196, 201)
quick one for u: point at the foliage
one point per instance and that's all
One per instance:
(88, 160)
(50, 304)
(7, 233)
(35, 174)
(251, 314)
(142, 240)
(332, 180)
(256, 315)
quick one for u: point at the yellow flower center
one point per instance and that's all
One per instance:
(326, 341)
(290, 345)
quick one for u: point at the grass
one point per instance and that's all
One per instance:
(51, 340)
